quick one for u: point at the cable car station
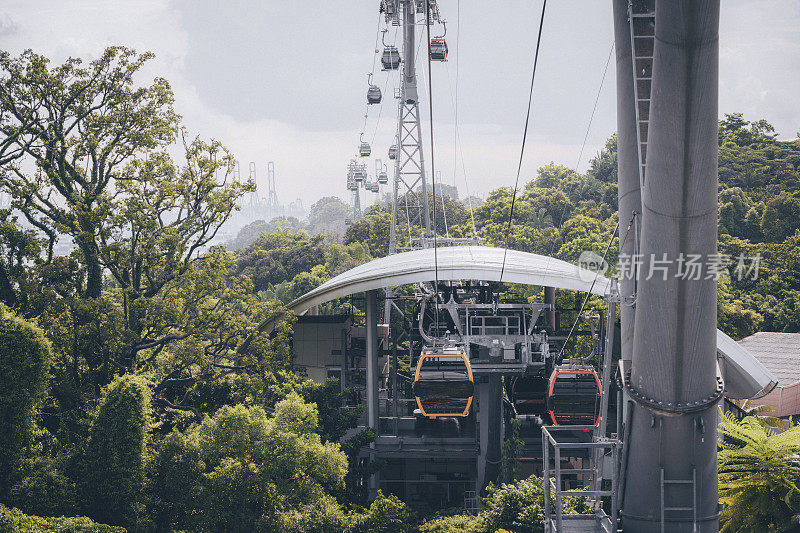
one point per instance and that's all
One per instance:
(448, 362)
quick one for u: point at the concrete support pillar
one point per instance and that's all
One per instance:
(489, 393)
(550, 298)
(674, 347)
(373, 414)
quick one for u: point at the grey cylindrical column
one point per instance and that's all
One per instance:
(628, 190)
(372, 359)
(674, 345)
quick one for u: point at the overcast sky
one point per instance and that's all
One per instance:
(285, 81)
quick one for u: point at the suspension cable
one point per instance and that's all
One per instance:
(580, 155)
(594, 109)
(522, 148)
(433, 159)
(589, 292)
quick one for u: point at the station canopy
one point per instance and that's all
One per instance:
(745, 376)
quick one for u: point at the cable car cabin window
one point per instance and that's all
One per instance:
(443, 385)
(574, 398)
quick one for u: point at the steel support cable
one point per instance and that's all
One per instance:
(384, 97)
(433, 159)
(522, 148)
(588, 293)
(594, 109)
(433, 179)
(580, 154)
(372, 72)
(597, 273)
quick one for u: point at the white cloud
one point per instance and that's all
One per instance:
(758, 74)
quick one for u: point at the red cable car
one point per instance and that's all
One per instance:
(573, 396)
(438, 49)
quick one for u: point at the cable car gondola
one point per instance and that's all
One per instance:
(443, 384)
(390, 59)
(573, 395)
(438, 49)
(393, 151)
(364, 149)
(374, 95)
(529, 396)
(383, 177)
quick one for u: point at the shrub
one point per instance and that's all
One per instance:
(24, 364)
(15, 520)
(386, 514)
(115, 455)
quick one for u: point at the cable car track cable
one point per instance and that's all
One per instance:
(522, 148)
(433, 164)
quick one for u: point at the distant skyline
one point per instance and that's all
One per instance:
(278, 83)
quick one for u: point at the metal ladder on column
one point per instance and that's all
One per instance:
(642, 21)
(665, 483)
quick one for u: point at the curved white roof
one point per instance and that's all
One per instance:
(745, 376)
(454, 263)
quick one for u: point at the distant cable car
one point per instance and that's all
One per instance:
(364, 149)
(383, 177)
(529, 396)
(393, 151)
(573, 396)
(390, 59)
(374, 95)
(374, 187)
(438, 49)
(443, 384)
(359, 176)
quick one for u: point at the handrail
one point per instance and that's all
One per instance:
(553, 477)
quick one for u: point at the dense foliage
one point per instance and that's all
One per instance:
(23, 371)
(759, 477)
(18, 522)
(141, 386)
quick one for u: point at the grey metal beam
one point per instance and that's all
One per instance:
(628, 190)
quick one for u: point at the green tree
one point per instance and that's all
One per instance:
(15, 520)
(26, 356)
(328, 210)
(759, 477)
(78, 126)
(373, 230)
(551, 175)
(241, 470)
(604, 165)
(519, 507)
(781, 217)
(386, 514)
(280, 256)
(115, 453)
(512, 450)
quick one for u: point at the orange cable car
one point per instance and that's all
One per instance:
(443, 383)
(573, 396)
